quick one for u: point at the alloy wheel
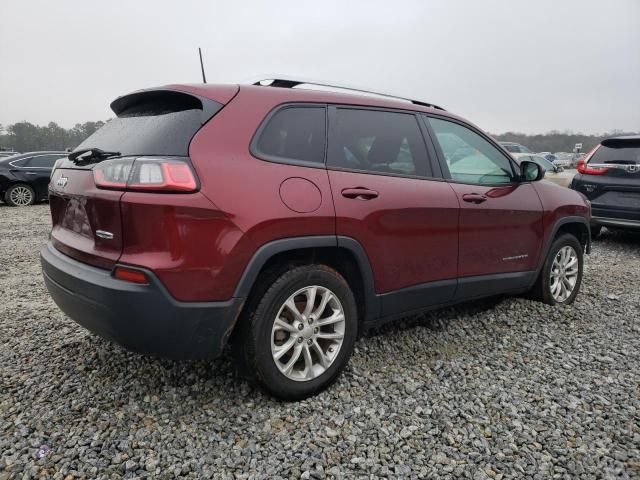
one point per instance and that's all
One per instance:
(564, 273)
(307, 333)
(21, 196)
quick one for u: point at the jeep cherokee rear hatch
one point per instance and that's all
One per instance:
(145, 148)
(611, 177)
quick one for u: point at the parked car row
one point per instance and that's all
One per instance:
(24, 178)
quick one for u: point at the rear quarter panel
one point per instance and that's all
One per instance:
(247, 189)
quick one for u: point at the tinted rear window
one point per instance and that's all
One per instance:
(294, 133)
(153, 123)
(617, 152)
(378, 141)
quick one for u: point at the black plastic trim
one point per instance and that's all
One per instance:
(209, 107)
(142, 318)
(417, 297)
(549, 241)
(372, 301)
(268, 250)
(487, 285)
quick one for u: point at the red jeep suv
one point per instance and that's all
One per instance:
(284, 220)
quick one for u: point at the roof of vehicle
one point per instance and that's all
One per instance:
(300, 94)
(518, 155)
(621, 139)
(31, 154)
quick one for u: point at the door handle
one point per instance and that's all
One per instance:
(474, 198)
(31, 173)
(359, 193)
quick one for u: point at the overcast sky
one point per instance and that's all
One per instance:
(527, 65)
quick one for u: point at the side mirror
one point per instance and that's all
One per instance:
(531, 172)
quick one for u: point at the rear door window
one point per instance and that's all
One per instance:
(20, 163)
(378, 142)
(43, 161)
(293, 134)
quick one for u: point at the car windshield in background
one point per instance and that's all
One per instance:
(612, 151)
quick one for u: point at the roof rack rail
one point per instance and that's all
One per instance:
(291, 83)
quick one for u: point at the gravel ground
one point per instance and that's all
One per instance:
(501, 389)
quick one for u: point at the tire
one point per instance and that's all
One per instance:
(545, 289)
(595, 231)
(258, 340)
(20, 195)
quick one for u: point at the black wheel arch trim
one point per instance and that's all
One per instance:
(268, 250)
(556, 227)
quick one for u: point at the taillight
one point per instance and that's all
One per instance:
(145, 174)
(130, 275)
(583, 167)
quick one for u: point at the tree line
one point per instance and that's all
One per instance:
(27, 137)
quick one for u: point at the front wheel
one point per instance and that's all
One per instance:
(561, 274)
(297, 338)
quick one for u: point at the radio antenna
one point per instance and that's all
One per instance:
(204, 78)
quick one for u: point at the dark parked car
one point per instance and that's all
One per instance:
(610, 178)
(287, 220)
(24, 178)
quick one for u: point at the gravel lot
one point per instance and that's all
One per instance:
(502, 389)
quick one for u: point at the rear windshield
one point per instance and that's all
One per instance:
(617, 152)
(153, 123)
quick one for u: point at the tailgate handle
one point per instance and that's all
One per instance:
(359, 193)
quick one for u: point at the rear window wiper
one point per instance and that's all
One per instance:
(95, 154)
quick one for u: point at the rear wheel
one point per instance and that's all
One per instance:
(595, 231)
(20, 195)
(561, 274)
(298, 336)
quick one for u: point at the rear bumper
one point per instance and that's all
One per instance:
(615, 217)
(615, 222)
(141, 318)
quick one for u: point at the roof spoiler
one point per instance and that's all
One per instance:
(624, 141)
